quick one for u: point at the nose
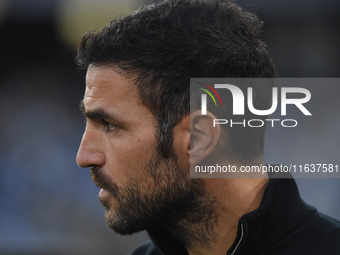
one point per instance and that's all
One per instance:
(90, 151)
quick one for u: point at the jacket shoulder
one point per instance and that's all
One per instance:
(319, 234)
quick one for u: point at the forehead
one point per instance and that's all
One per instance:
(108, 89)
(104, 81)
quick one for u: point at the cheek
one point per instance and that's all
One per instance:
(126, 158)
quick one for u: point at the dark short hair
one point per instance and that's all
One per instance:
(164, 45)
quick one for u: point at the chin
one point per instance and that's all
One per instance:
(127, 222)
(120, 225)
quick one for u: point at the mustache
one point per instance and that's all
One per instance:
(103, 181)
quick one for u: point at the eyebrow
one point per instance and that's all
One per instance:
(98, 114)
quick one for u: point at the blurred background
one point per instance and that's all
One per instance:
(47, 204)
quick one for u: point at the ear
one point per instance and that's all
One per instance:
(195, 138)
(181, 142)
(204, 136)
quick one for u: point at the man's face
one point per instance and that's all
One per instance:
(139, 189)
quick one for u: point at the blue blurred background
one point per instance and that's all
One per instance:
(47, 204)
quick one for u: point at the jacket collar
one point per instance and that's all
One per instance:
(280, 211)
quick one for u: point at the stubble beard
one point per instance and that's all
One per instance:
(169, 199)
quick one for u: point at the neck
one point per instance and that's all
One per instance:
(211, 227)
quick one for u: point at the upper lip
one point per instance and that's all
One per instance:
(97, 178)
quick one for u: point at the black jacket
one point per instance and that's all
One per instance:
(282, 225)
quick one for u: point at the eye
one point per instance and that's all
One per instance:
(109, 126)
